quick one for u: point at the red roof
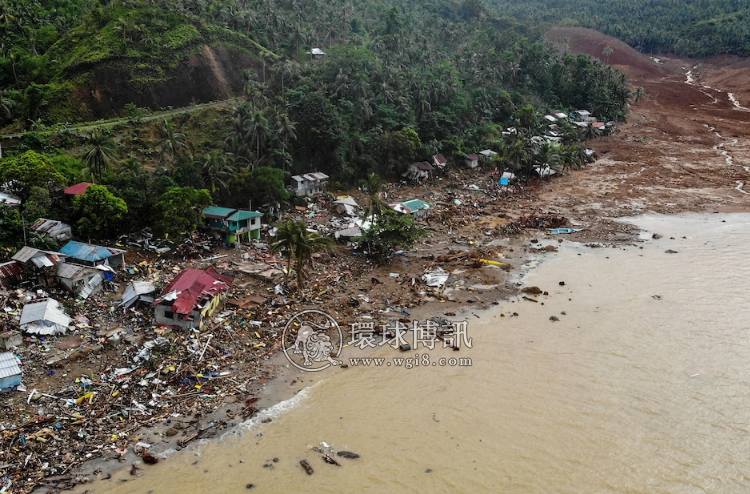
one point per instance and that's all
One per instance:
(440, 159)
(193, 286)
(472, 157)
(423, 165)
(77, 189)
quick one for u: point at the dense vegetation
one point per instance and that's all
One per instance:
(692, 28)
(399, 82)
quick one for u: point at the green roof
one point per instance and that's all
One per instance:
(416, 204)
(218, 212)
(244, 215)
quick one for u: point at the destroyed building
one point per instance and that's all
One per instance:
(190, 297)
(83, 280)
(10, 274)
(39, 266)
(415, 207)
(56, 230)
(44, 317)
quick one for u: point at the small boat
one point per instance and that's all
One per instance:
(556, 231)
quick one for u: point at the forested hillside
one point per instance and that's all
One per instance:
(399, 82)
(693, 28)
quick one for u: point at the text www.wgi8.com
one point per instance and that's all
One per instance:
(417, 360)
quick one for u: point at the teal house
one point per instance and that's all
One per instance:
(234, 225)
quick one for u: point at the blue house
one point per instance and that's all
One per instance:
(92, 255)
(234, 225)
(10, 372)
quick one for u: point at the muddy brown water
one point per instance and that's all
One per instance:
(643, 385)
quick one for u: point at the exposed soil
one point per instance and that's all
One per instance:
(683, 149)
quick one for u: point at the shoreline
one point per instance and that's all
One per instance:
(288, 382)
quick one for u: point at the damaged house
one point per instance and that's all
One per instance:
(190, 297)
(308, 184)
(234, 225)
(44, 317)
(418, 172)
(83, 280)
(92, 255)
(87, 267)
(10, 274)
(56, 230)
(415, 207)
(39, 266)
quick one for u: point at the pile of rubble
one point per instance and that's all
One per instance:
(92, 389)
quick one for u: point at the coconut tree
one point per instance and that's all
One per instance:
(172, 143)
(293, 241)
(101, 151)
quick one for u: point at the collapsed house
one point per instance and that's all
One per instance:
(418, 172)
(10, 372)
(56, 230)
(10, 339)
(44, 317)
(233, 225)
(137, 291)
(190, 297)
(415, 207)
(38, 265)
(346, 205)
(10, 274)
(83, 280)
(439, 161)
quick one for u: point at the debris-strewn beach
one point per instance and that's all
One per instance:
(119, 389)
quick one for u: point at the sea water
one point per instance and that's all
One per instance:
(631, 375)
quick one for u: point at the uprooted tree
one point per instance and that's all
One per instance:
(389, 232)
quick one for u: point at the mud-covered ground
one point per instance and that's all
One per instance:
(684, 148)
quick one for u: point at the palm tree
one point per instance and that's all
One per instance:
(607, 51)
(6, 106)
(258, 130)
(294, 241)
(100, 153)
(215, 170)
(171, 142)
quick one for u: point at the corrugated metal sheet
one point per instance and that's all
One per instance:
(25, 254)
(217, 212)
(77, 189)
(71, 271)
(136, 290)
(9, 365)
(89, 252)
(244, 215)
(44, 317)
(10, 269)
(29, 253)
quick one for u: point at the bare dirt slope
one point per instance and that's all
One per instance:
(684, 147)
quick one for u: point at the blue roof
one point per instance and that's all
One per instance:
(218, 212)
(244, 215)
(88, 252)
